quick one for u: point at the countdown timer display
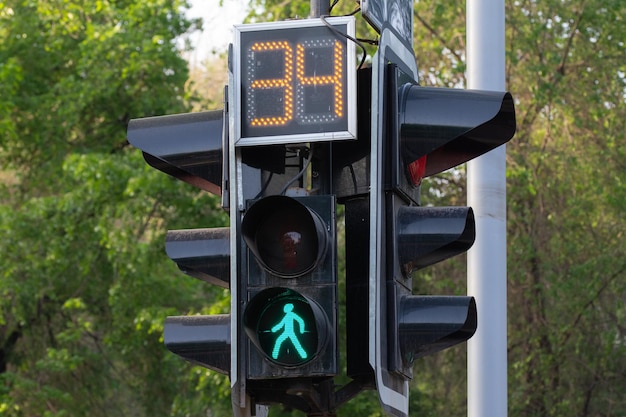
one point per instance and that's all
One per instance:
(295, 81)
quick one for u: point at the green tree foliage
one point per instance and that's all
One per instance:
(566, 208)
(84, 284)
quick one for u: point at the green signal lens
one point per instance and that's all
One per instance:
(287, 332)
(288, 328)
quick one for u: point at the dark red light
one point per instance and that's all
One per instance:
(286, 237)
(291, 241)
(417, 171)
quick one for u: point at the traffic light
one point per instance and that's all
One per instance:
(292, 97)
(427, 131)
(291, 313)
(303, 130)
(189, 147)
(418, 237)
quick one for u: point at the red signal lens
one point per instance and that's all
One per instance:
(287, 242)
(417, 171)
(286, 237)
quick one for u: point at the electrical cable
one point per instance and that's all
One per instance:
(302, 171)
(345, 35)
(267, 183)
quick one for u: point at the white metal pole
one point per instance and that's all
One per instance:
(486, 194)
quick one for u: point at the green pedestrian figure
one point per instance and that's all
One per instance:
(288, 333)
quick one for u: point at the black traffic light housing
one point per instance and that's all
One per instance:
(203, 340)
(290, 316)
(201, 253)
(187, 146)
(419, 325)
(194, 148)
(419, 132)
(295, 91)
(449, 125)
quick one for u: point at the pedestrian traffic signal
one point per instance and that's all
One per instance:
(290, 313)
(292, 97)
(270, 154)
(285, 326)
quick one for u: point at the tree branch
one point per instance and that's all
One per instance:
(438, 37)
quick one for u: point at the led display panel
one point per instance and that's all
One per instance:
(294, 81)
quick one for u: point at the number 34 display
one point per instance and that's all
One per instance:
(294, 81)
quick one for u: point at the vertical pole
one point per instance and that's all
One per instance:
(486, 184)
(319, 7)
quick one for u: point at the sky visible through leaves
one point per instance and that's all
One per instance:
(216, 32)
